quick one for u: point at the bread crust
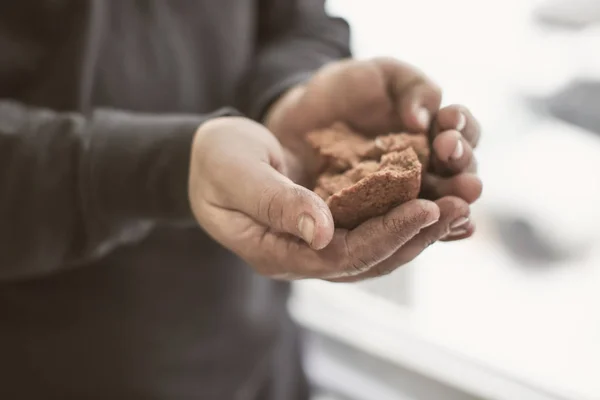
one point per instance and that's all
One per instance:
(363, 177)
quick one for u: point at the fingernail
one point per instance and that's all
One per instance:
(457, 232)
(458, 151)
(423, 117)
(459, 222)
(462, 122)
(306, 227)
(427, 225)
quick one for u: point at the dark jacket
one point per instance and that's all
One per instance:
(108, 290)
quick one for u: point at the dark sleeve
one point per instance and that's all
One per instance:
(75, 187)
(295, 37)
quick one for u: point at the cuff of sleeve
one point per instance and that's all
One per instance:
(139, 164)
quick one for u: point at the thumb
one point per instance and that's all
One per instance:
(276, 202)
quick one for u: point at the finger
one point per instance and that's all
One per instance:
(460, 233)
(351, 91)
(466, 186)
(457, 117)
(274, 201)
(453, 153)
(454, 215)
(416, 98)
(417, 104)
(350, 252)
(247, 176)
(378, 238)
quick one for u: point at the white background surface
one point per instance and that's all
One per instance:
(540, 327)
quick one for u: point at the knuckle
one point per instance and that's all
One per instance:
(299, 194)
(371, 229)
(269, 206)
(385, 61)
(435, 88)
(452, 207)
(459, 108)
(416, 83)
(393, 225)
(420, 216)
(405, 226)
(359, 265)
(352, 261)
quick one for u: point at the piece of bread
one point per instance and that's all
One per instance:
(398, 142)
(339, 147)
(365, 177)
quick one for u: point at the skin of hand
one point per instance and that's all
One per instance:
(380, 96)
(240, 193)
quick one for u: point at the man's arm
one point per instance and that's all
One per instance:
(75, 187)
(295, 38)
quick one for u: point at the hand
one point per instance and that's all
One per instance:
(381, 96)
(240, 195)
(455, 133)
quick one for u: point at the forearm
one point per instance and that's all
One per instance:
(76, 187)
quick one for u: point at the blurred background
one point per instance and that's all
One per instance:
(513, 313)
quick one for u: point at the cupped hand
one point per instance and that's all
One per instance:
(379, 96)
(241, 196)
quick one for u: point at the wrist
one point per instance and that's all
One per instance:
(138, 165)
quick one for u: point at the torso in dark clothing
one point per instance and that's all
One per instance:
(174, 316)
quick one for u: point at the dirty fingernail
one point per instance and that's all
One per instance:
(462, 122)
(459, 222)
(458, 150)
(306, 227)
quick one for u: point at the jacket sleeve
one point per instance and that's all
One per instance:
(295, 37)
(73, 187)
